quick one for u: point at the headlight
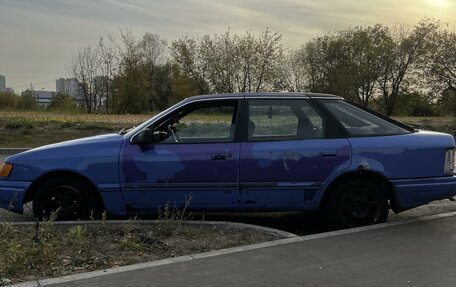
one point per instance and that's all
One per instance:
(6, 169)
(449, 161)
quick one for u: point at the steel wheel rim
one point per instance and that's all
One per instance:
(359, 207)
(63, 199)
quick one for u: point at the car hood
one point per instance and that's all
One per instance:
(79, 147)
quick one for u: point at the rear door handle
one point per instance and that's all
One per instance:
(329, 152)
(218, 156)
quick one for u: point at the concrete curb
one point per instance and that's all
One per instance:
(237, 225)
(87, 275)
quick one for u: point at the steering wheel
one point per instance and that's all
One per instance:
(173, 132)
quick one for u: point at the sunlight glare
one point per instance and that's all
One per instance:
(438, 3)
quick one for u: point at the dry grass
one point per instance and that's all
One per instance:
(441, 124)
(32, 129)
(79, 118)
(59, 250)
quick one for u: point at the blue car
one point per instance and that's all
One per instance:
(240, 152)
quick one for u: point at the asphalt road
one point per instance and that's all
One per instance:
(301, 223)
(420, 253)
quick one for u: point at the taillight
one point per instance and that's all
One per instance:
(449, 161)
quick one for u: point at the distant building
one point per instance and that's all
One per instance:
(2, 83)
(101, 86)
(68, 86)
(43, 98)
(9, 90)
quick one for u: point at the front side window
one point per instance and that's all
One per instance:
(283, 120)
(359, 122)
(212, 121)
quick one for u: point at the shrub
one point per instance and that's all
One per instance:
(19, 123)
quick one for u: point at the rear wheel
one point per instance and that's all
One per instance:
(357, 202)
(64, 198)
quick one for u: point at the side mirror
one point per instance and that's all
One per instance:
(146, 136)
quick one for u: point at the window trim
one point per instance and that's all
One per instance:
(381, 116)
(328, 122)
(188, 105)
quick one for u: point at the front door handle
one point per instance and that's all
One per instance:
(218, 156)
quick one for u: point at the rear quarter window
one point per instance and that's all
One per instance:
(359, 122)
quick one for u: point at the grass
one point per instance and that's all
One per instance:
(51, 250)
(32, 129)
(47, 249)
(441, 124)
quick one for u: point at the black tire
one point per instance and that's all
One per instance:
(356, 202)
(66, 197)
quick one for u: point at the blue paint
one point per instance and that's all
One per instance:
(268, 175)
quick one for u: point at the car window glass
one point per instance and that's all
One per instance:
(359, 122)
(283, 120)
(201, 123)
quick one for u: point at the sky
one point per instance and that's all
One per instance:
(39, 37)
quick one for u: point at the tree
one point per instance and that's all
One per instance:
(85, 67)
(439, 63)
(327, 58)
(63, 102)
(163, 86)
(153, 53)
(293, 72)
(404, 52)
(228, 63)
(131, 95)
(108, 62)
(415, 104)
(368, 48)
(345, 62)
(187, 56)
(8, 100)
(27, 101)
(446, 103)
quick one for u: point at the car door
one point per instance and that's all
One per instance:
(194, 160)
(291, 148)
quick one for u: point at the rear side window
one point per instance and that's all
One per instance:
(359, 122)
(283, 120)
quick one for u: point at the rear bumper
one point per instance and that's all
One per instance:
(414, 192)
(12, 195)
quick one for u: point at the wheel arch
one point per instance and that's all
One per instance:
(63, 173)
(379, 178)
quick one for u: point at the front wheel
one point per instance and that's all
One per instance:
(357, 202)
(63, 198)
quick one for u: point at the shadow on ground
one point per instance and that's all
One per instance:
(301, 223)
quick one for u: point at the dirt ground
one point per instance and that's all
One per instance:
(30, 252)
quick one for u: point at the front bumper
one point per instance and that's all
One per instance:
(415, 192)
(12, 195)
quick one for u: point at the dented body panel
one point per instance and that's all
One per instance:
(241, 174)
(290, 172)
(412, 163)
(155, 175)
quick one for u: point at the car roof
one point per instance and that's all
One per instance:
(264, 95)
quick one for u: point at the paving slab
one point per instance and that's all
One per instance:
(421, 253)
